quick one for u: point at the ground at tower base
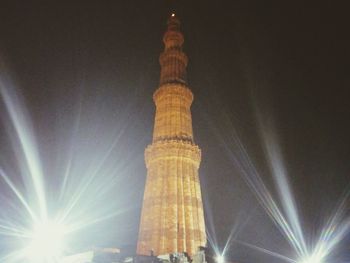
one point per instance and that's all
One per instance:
(114, 255)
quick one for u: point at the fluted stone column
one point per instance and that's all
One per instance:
(172, 218)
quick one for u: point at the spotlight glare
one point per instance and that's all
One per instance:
(47, 242)
(314, 258)
(220, 259)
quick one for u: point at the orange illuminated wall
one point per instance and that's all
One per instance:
(172, 217)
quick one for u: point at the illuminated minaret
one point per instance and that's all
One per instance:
(172, 217)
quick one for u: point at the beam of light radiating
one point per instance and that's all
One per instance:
(92, 173)
(12, 231)
(286, 216)
(210, 229)
(81, 195)
(23, 131)
(334, 231)
(266, 251)
(239, 223)
(67, 171)
(76, 198)
(237, 227)
(241, 160)
(254, 181)
(18, 194)
(279, 173)
(84, 224)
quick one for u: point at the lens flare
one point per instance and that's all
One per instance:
(47, 242)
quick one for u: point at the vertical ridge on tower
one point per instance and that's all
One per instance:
(172, 218)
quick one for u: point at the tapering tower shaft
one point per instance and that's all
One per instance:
(172, 218)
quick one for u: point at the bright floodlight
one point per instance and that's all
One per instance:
(314, 258)
(46, 244)
(220, 259)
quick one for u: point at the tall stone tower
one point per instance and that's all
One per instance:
(172, 217)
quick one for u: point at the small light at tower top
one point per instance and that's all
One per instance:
(173, 15)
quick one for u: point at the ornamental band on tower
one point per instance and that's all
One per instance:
(172, 218)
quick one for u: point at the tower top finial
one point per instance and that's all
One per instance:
(173, 22)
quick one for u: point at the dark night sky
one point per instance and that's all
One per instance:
(289, 58)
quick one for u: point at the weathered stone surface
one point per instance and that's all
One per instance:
(172, 218)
